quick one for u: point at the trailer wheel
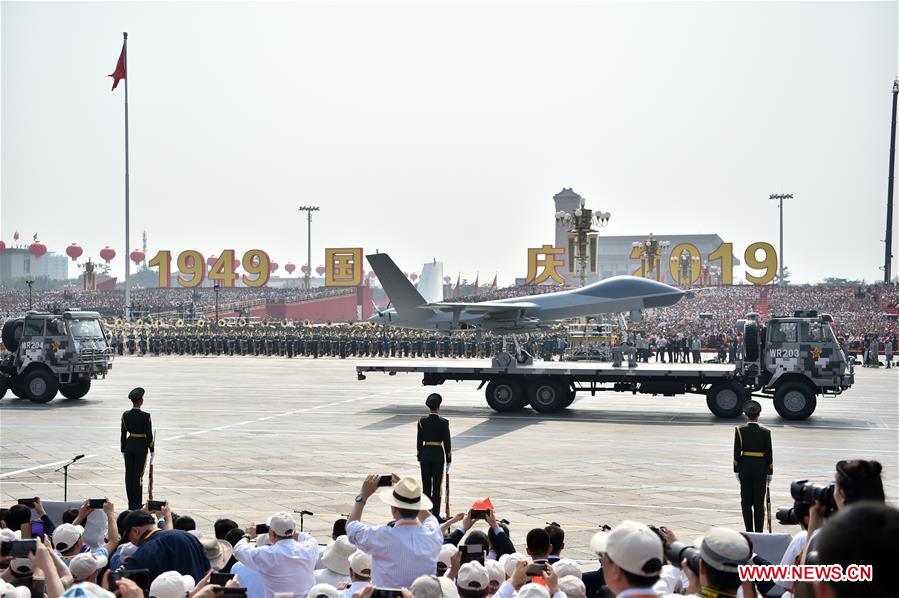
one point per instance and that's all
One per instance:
(76, 390)
(547, 395)
(795, 400)
(570, 398)
(504, 394)
(726, 399)
(39, 386)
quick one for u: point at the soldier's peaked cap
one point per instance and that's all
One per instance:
(752, 408)
(433, 400)
(136, 394)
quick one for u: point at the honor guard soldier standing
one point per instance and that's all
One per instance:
(137, 437)
(753, 465)
(433, 448)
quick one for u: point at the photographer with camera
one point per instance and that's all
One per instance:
(287, 563)
(498, 541)
(405, 551)
(713, 569)
(855, 481)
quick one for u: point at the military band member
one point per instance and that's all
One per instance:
(433, 449)
(753, 465)
(137, 437)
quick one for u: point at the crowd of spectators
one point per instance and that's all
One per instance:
(476, 554)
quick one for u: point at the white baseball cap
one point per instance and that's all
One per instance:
(66, 536)
(171, 584)
(533, 590)
(282, 524)
(572, 587)
(11, 591)
(428, 586)
(360, 562)
(564, 567)
(632, 546)
(472, 576)
(86, 564)
(511, 562)
(495, 572)
(323, 590)
(446, 554)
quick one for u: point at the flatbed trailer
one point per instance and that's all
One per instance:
(793, 360)
(552, 385)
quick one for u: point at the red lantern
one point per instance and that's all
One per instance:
(74, 251)
(290, 267)
(413, 277)
(210, 261)
(320, 270)
(2, 246)
(372, 275)
(137, 256)
(107, 253)
(235, 265)
(272, 266)
(305, 269)
(37, 249)
(447, 279)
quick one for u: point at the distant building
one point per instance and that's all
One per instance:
(615, 252)
(18, 263)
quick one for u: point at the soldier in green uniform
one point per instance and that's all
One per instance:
(137, 437)
(753, 465)
(433, 448)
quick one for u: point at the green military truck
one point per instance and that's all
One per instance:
(45, 353)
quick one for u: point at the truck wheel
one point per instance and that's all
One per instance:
(39, 386)
(795, 400)
(504, 395)
(570, 398)
(15, 385)
(76, 390)
(726, 399)
(751, 341)
(3, 386)
(12, 334)
(547, 395)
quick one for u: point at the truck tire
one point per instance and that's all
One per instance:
(39, 386)
(795, 400)
(751, 341)
(547, 395)
(11, 334)
(504, 395)
(15, 386)
(726, 399)
(3, 386)
(570, 399)
(76, 390)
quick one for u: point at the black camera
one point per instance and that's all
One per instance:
(678, 551)
(792, 515)
(805, 492)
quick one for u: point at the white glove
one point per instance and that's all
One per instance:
(736, 475)
(769, 479)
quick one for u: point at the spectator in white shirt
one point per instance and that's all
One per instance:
(406, 551)
(360, 574)
(249, 579)
(336, 562)
(631, 556)
(288, 564)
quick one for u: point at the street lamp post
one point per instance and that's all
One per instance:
(29, 283)
(216, 288)
(580, 222)
(308, 210)
(780, 197)
(651, 255)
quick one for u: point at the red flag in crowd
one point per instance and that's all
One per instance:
(477, 287)
(119, 72)
(458, 291)
(493, 286)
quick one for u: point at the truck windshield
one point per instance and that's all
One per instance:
(85, 329)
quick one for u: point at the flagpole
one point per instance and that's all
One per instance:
(127, 194)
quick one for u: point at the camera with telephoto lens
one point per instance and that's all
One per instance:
(792, 515)
(805, 492)
(678, 551)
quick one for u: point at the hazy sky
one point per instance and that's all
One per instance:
(444, 129)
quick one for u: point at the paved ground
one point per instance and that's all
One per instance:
(245, 437)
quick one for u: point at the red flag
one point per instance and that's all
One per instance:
(477, 287)
(493, 286)
(458, 291)
(15, 237)
(483, 505)
(119, 72)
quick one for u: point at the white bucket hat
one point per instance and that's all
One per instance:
(337, 555)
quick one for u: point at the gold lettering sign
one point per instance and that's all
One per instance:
(343, 267)
(550, 259)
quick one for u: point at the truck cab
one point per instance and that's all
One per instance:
(45, 353)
